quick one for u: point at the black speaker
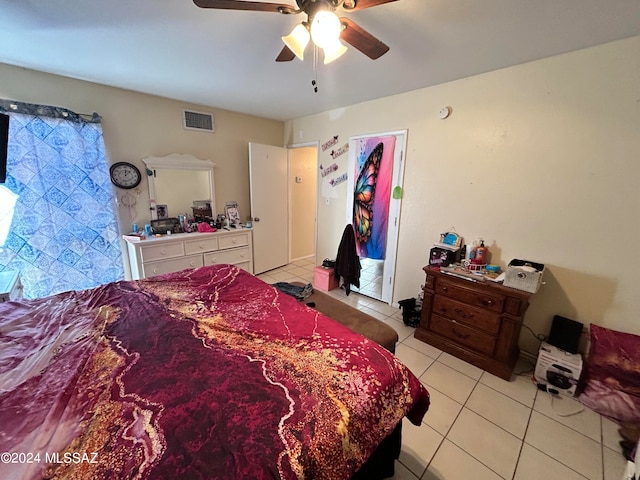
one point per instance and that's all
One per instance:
(565, 334)
(4, 141)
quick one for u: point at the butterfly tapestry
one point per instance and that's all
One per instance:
(364, 194)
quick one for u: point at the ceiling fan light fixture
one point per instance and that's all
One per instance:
(334, 51)
(297, 40)
(325, 28)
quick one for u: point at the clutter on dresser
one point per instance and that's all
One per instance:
(524, 275)
(232, 213)
(447, 251)
(166, 226)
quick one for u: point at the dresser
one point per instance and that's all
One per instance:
(10, 286)
(171, 253)
(478, 322)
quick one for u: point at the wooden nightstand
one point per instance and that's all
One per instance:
(10, 286)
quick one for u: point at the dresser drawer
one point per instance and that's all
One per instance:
(200, 245)
(231, 241)
(232, 256)
(479, 318)
(163, 250)
(463, 335)
(471, 297)
(173, 265)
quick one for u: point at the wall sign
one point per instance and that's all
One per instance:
(326, 171)
(330, 143)
(342, 150)
(339, 180)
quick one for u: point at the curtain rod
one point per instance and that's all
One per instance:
(47, 111)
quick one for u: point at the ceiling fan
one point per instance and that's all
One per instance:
(322, 26)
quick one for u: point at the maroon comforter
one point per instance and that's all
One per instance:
(207, 373)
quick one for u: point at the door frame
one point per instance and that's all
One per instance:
(391, 251)
(315, 145)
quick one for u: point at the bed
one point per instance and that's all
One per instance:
(205, 373)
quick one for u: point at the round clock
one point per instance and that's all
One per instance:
(125, 175)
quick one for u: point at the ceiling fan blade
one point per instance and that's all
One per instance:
(362, 40)
(354, 5)
(242, 5)
(286, 55)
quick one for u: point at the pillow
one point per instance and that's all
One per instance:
(612, 380)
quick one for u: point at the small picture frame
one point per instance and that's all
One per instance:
(162, 211)
(232, 213)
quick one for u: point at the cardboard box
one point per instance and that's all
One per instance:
(558, 369)
(324, 279)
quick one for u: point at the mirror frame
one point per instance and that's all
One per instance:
(177, 161)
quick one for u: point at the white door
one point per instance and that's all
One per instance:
(375, 207)
(268, 181)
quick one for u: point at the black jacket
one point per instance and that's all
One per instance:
(347, 260)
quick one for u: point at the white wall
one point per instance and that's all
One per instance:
(542, 160)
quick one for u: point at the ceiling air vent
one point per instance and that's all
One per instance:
(200, 121)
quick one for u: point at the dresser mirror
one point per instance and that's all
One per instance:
(176, 181)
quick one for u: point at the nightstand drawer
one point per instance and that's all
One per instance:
(475, 317)
(463, 335)
(472, 297)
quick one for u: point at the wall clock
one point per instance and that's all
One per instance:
(125, 175)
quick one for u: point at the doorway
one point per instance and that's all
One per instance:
(376, 166)
(302, 201)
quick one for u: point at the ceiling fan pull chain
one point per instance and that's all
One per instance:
(314, 82)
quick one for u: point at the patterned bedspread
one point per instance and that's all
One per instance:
(207, 373)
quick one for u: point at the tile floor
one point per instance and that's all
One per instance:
(482, 427)
(370, 278)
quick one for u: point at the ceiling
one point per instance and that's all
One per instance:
(225, 58)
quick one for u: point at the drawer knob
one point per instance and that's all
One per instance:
(445, 289)
(234, 241)
(163, 251)
(201, 246)
(488, 303)
(463, 336)
(463, 314)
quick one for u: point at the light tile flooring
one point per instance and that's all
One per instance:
(370, 278)
(482, 427)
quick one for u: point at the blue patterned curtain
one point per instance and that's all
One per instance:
(57, 201)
